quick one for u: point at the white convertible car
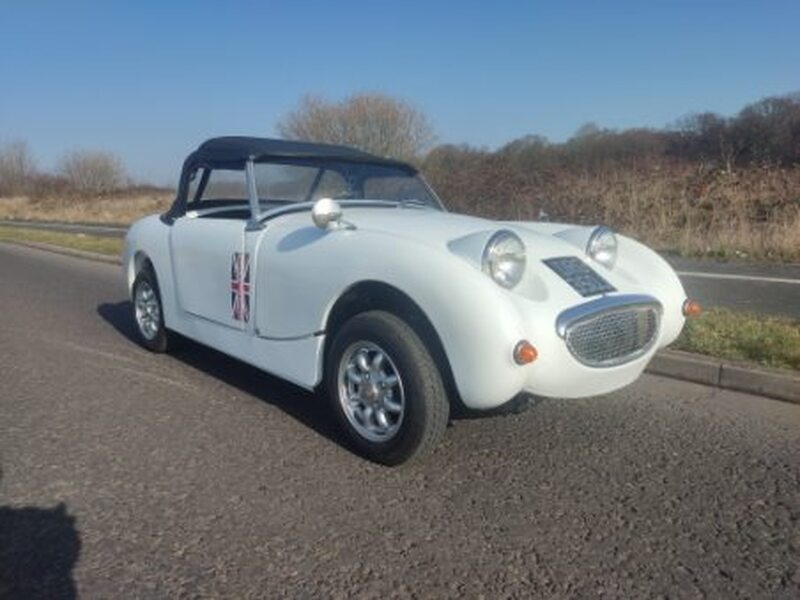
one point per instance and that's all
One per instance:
(327, 266)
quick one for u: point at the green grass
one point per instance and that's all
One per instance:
(76, 241)
(768, 341)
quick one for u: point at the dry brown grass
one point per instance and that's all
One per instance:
(750, 213)
(121, 208)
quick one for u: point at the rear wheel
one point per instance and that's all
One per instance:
(385, 388)
(148, 313)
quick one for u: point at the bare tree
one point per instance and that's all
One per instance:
(92, 172)
(17, 168)
(589, 129)
(375, 123)
(769, 130)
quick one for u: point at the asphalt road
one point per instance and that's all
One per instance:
(758, 287)
(127, 474)
(755, 287)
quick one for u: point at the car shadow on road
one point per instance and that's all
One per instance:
(39, 547)
(308, 408)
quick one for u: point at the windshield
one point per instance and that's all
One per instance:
(306, 181)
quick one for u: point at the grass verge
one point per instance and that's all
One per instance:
(76, 241)
(765, 340)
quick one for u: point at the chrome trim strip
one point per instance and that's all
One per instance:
(599, 306)
(253, 222)
(293, 338)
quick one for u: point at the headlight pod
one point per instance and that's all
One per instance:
(504, 258)
(602, 246)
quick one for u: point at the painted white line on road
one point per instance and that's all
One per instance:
(738, 277)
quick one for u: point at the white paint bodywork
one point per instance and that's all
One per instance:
(298, 272)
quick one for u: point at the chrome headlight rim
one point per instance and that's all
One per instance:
(495, 264)
(602, 246)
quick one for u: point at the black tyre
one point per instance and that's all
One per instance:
(385, 388)
(148, 314)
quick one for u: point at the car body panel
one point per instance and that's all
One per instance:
(199, 247)
(299, 271)
(255, 278)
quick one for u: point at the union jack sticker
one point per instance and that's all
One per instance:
(240, 286)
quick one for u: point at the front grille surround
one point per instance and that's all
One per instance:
(611, 331)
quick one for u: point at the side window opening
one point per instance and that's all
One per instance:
(225, 186)
(222, 194)
(195, 181)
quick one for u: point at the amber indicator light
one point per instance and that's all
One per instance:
(525, 353)
(692, 308)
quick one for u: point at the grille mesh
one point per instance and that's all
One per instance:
(613, 338)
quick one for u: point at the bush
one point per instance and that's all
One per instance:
(670, 205)
(17, 168)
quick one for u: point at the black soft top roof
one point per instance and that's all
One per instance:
(234, 151)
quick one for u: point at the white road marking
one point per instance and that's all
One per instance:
(738, 277)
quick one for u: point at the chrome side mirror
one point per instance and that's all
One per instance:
(326, 212)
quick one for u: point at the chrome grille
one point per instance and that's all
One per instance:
(613, 337)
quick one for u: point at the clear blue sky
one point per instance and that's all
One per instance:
(149, 80)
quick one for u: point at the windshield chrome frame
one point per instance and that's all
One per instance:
(254, 222)
(431, 191)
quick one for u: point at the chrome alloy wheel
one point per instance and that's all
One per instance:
(371, 391)
(148, 310)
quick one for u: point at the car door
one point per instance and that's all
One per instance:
(211, 266)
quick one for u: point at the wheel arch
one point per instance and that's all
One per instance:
(377, 295)
(139, 262)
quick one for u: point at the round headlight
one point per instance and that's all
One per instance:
(602, 246)
(504, 258)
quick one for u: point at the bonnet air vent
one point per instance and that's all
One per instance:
(579, 275)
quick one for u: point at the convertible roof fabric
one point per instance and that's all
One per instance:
(232, 151)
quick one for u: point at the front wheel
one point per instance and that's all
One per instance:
(385, 388)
